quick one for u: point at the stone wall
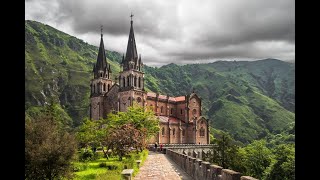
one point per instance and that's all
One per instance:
(201, 170)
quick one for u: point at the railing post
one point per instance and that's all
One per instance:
(228, 174)
(205, 167)
(198, 171)
(215, 171)
(247, 178)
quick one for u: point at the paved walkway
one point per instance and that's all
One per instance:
(159, 167)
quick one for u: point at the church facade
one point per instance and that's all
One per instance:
(180, 118)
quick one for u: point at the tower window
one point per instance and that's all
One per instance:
(128, 81)
(108, 87)
(163, 131)
(194, 112)
(94, 88)
(139, 82)
(174, 131)
(124, 82)
(181, 111)
(135, 81)
(161, 109)
(183, 132)
(171, 111)
(202, 131)
(100, 74)
(104, 87)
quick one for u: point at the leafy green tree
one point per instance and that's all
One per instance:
(49, 149)
(224, 151)
(140, 123)
(93, 133)
(123, 138)
(142, 119)
(257, 158)
(284, 167)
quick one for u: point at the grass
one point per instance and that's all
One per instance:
(92, 170)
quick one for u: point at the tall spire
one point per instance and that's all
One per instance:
(101, 64)
(131, 57)
(101, 31)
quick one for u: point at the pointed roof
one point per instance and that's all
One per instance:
(131, 54)
(131, 59)
(101, 59)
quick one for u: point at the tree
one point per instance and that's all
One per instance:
(123, 138)
(93, 133)
(130, 129)
(49, 149)
(138, 122)
(224, 150)
(141, 118)
(257, 158)
(284, 167)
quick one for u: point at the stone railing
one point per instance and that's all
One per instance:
(182, 145)
(201, 170)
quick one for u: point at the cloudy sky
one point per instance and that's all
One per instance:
(178, 31)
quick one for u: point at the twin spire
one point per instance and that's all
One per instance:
(101, 68)
(130, 61)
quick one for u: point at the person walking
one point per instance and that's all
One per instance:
(160, 147)
(155, 147)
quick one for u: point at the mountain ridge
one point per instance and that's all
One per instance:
(59, 66)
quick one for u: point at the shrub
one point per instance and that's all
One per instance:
(49, 149)
(103, 164)
(86, 155)
(112, 167)
(79, 167)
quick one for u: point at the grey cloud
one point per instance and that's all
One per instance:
(179, 31)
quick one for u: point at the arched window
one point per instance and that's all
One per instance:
(100, 74)
(129, 101)
(108, 87)
(104, 87)
(183, 132)
(124, 82)
(171, 111)
(163, 131)
(135, 81)
(174, 131)
(128, 81)
(194, 112)
(180, 111)
(94, 88)
(139, 82)
(202, 131)
(161, 109)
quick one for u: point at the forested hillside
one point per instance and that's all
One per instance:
(249, 100)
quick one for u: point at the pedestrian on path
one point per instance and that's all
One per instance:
(155, 147)
(160, 147)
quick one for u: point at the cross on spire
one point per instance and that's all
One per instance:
(101, 30)
(131, 16)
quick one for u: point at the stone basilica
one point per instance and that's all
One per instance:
(180, 118)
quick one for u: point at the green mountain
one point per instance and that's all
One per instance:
(248, 99)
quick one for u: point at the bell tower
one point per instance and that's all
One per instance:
(131, 78)
(100, 84)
